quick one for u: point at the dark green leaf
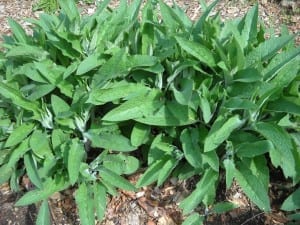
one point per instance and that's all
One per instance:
(100, 200)
(31, 169)
(252, 149)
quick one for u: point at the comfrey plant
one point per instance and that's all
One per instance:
(82, 94)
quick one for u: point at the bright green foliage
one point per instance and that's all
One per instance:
(83, 96)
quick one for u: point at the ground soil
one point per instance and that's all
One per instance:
(154, 205)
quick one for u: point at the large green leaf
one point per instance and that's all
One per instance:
(27, 52)
(85, 204)
(283, 150)
(116, 91)
(99, 200)
(40, 145)
(217, 136)
(284, 105)
(115, 142)
(267, 49)
(170, 114)
(252, 149)
(197, 50)
(19, 134)
(253, 187)
(191, 147)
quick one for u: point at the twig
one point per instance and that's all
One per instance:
(252, 218)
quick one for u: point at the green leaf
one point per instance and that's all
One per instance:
(99, 200)
(267, 49)
(50, 186)
(197, 50)
(252, 187)
(121, 163)
(76, 154)
(18, 32)
(115, 142)
(248, 75)
(120, 90)
(59, 105)
(140, 134)
(5, 173)
(31, 169)
(229, 170)
(216, 137)
(85, 204)
(190, 144)
(19, 134)
(239, 103)
(135, 108)
(206, 183)
(39, 144)
(170, 114)
(91, 62)
(27, 52)
(151, 174)
(223, 207)
(43, 217)
(212, 159)
(249, 31)
(279, 62)
(284, 105)
(166, 170)
(16, 97)
(70, 9)
(194, 219)
(284, 149)
(18, 152)
(292, 202)
(116, 180)
(252, 149)
(184, 96)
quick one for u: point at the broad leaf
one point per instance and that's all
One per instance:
(253, 187)
(197, 50)
(19, 134)
(217, 136)
(115, 142)
(140, 134)
(283, 150)
(191, 147)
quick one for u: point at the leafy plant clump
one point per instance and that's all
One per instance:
(83, 96)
